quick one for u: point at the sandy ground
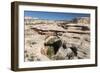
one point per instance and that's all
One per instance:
(34, 43)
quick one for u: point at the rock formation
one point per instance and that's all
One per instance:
(57, 40)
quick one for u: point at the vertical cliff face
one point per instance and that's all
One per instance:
(57, 40)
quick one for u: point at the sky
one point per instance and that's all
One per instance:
(54, 15)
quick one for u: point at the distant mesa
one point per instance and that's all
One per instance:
(81, 20)
(29, 17)
(77, 20)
